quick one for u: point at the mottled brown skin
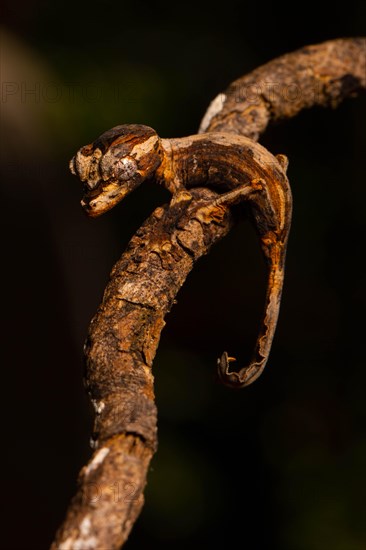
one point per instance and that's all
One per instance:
(114, 165)
(236, 166)
(252, 174)
(125, 332)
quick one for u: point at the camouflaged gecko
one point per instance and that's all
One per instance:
(239, 168)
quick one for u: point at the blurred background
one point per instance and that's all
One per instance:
(280, 464)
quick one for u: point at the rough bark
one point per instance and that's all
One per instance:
(317, 75)
(125, 332)
(120, 349)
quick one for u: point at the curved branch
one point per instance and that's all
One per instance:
(318, 75)
(122, 342)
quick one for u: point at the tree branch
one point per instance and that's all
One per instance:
(318, 75)
(122, 342)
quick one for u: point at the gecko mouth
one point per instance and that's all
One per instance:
(92, 192)
(104, 196)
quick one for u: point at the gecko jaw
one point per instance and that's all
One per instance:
(105, 196)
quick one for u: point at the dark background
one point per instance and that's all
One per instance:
(278, 465)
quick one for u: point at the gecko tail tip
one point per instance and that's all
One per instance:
(234, 379)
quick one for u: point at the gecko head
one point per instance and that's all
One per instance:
(115, 164)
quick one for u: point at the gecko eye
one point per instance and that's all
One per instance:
(125, 168)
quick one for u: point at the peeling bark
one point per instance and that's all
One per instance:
(121, 345)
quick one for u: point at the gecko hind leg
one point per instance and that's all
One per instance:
(241, 193)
